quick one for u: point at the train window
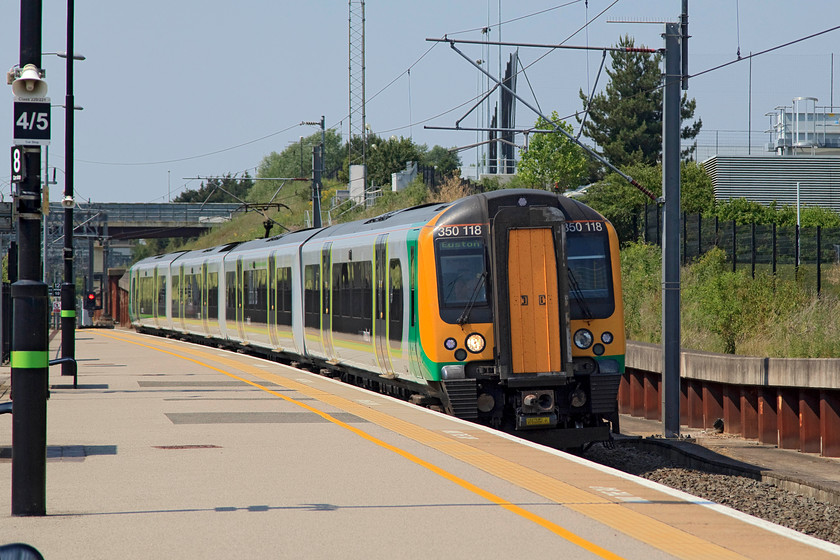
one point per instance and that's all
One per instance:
(461, 272)
(311, 296)
(212, 295)
(395, 301)
(255, 291)
(161, 296)
(590, 274)
(176, 295)
(365, 279)
(147, 294)
(192, 296)
(356, 289)
(284, 296)
(351, 313)
(230, 293)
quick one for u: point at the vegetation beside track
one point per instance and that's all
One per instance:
(731, 312)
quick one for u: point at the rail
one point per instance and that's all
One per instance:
(793, 403)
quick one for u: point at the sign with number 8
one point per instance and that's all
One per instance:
(18, 164)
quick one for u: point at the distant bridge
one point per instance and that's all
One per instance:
(111, 226)
(128, 220)
(132, 220)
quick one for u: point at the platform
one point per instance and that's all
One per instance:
(173, 450)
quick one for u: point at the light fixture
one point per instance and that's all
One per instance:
(475, 343)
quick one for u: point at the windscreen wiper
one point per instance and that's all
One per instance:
(578, 293)
(465, 315)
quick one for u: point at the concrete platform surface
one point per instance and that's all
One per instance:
(172, 450)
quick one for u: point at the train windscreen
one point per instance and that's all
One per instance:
(461, 270)
(590, 275)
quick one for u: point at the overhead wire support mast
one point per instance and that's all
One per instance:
(559, 129)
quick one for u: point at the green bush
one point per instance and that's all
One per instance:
(729, 312)
(641, 270)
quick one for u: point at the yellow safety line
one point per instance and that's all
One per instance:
(639, 526)
(553, 527)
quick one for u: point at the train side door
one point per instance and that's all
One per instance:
(155, 301)
(203, 287)
(380, 322)
(180, 295)
(326, 302)
(272, 301)
(240, 297)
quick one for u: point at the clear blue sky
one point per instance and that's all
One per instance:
(186, 88)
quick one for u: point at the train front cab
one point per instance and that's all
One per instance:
(507, 352)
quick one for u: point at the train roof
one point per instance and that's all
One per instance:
(475, 207)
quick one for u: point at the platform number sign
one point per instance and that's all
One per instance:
(32, 122)
(18, 165)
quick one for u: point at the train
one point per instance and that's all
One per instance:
(502, 308)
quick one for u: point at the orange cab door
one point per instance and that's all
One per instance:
(533, 301)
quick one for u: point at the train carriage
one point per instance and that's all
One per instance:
(503, 307)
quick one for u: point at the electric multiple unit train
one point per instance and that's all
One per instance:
(503, 307)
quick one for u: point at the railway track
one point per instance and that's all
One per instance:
(742, 492)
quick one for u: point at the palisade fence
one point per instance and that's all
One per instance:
(793, 252)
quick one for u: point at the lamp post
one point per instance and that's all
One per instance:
(68, 287)
(30, 346)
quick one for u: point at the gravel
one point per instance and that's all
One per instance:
(760, 499)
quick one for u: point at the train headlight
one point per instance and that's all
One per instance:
(450, 343)
(607, 337)
(475, 343)
(583, 339)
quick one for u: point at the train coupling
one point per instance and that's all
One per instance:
(536, 410)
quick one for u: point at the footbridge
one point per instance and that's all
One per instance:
(133, 220)
(128, 220)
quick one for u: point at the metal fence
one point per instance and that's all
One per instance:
(803, 253)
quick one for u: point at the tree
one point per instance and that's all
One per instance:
(625, 121)
(622, 203)
(552, 160)
(296, 159)
(214, 190)
(445, 161)
(389, 156)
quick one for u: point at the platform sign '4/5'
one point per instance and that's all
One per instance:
(32, 121)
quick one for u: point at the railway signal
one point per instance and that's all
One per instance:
(90, 301)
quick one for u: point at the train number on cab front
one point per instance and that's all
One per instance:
(455, 231)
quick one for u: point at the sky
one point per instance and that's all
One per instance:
(176, 90)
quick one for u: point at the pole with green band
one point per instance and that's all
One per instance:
(68, 287)
(30, 374)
